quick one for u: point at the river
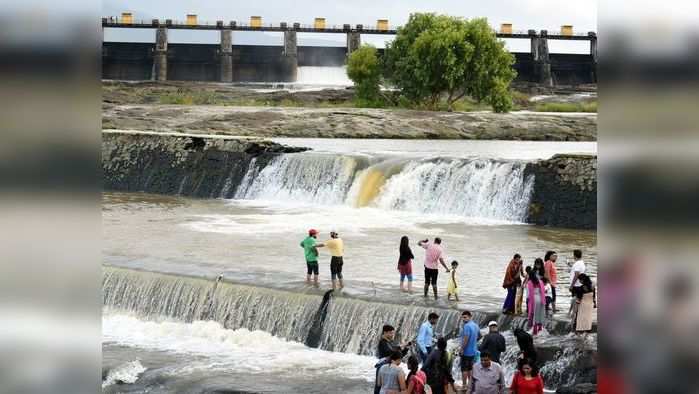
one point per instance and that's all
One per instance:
(472, 194)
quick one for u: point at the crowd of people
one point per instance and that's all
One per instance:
(430, 370)
(535, 287)
(538, 285)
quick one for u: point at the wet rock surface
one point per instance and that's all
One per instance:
(196, 165)
(565, 191)
(245, 111)
(351, 123)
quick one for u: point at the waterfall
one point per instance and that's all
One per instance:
(308, 178)
(324, 76)
(153, 295)
(475, 188)
(332, 323)
(471, 188)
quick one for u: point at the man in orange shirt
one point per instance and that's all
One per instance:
(551, 274)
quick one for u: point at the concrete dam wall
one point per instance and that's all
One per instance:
(561, 191)
(257, 63)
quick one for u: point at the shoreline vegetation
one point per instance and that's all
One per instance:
(569, 99)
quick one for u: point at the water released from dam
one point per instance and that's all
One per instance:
(169, 326)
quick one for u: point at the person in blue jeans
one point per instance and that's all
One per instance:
(470, 333)
(425, 336)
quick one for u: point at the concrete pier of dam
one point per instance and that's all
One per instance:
(226, 62)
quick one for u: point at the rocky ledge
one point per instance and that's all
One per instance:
(350, 122)
(174, 163)
(565, 191)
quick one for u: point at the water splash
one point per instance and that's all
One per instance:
(127, 372)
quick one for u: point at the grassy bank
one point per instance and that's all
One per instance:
(587, 106)
(342, 98)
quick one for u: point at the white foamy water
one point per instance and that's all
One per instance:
(475, 189)
(124, 373)
(325, 76)
(241, 350)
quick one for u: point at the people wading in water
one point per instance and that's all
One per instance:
(310, 251)
(551, 275)
(536, 298)
(337, 248)
(405, 264)
(512, 282)
(433, 256)
(452, 286)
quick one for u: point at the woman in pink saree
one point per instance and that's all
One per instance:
(537, 301)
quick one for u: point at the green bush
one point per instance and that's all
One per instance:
(364, 69)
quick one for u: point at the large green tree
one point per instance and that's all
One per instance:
(436, 57)
(364, 69)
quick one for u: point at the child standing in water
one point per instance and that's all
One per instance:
(547, 293)
(451, 286)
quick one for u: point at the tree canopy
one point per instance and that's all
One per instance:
(364, 69)
(439, 56)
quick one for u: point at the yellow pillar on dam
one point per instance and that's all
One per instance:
(506, 28)
(191, 19)
(255, 21)
(567, 30)
(126, 18)
(319, 23)
(382, 24)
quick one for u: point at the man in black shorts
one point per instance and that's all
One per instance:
(337, 248)
(433, 256)
(310, 251)
(470, 333)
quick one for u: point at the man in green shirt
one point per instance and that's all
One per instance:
(310, 250)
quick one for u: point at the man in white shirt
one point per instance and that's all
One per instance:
(577, 269)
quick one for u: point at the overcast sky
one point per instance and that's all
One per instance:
(523, 14)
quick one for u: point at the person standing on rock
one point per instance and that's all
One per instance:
(527, 379)
(493, 342)
(526, 345)
(577, 270)
(391, 377)
(310, 251)
(438, 367)
(337, 248)
(536, 299)
(433, 256)
(586, 300)
(512, 281)
(552, 275)
(425, 336)
(469, 340)
(405, 264)
(386, 347)
(488, 377)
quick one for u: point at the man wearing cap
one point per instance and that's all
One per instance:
(337, 249)
(493, 342)
(310, 250)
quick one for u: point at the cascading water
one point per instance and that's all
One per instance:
(309, 178)
(323, 76)
(337, 324)
(475, 188)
